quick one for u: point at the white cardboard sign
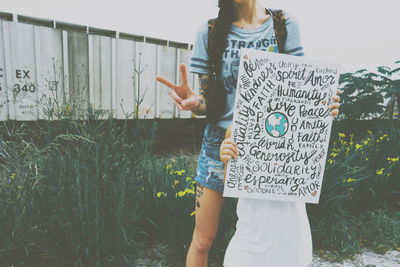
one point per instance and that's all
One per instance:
(281, 124)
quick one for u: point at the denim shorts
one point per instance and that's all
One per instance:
(210, 169)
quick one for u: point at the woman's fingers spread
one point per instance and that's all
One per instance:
(175, 97)
(177, 100)
(166, 82)
(177, 104)
(189, 102)
(183, 74)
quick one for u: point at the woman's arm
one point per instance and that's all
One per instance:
(202, 99)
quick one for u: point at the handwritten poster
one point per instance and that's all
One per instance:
(281, 124)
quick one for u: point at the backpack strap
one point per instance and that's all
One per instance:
(280, 28)
(211, 33)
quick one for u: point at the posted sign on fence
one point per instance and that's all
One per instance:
(281, 124)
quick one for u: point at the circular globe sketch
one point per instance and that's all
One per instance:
(276, 124)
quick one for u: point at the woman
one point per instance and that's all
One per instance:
(240, 23)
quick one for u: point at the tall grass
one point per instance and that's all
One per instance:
(68, 192)
(93, 193)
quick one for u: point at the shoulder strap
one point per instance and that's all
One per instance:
(211, 31)
(280, 28)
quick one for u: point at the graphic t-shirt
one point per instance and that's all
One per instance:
(260, 38)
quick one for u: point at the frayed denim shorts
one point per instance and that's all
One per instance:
(210, 169)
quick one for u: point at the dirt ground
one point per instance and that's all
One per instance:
(367, 258)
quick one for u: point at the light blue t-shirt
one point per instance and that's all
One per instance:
(260, 38)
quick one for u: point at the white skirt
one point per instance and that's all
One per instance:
(270, 233)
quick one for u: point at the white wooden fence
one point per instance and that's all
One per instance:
(45, 62)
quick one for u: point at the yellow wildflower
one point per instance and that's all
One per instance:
(173, 160)
(188, 178)
(186, 191)
(385, 136)
(393, 159)
(20, 187)
(169, 166)
(365, 142)
(380, 171)
(366, 158)
(176, 182)
(12, 177)
(180, 194)
(190, 191)
(159, 194)
(333, 155)
(358, 146)
(179, 172)
(330, 161)
(342, 135)
(369, 131)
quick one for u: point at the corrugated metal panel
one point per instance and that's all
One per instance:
(100, 66)
(3, 86)
(24, 88)
(125, 97)
(51, 79)
(145, 83)
(65, 68)
(168, 62)
(78, 68)
(63, 65)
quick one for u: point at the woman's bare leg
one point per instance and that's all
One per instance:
(208, 209)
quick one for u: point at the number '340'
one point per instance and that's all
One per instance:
(24, 88)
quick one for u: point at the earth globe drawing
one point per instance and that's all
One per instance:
(276, 124)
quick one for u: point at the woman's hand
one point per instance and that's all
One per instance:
(335, 106)
(228, 148)
(183, 96)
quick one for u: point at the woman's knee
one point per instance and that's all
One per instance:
(202, 242)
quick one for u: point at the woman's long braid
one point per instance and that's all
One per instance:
(217, 96)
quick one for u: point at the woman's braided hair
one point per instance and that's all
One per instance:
(216, 96)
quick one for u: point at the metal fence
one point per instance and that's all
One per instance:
(46, 62)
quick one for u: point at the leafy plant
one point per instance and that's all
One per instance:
(364, 93)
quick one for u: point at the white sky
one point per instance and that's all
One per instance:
(353, 33)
